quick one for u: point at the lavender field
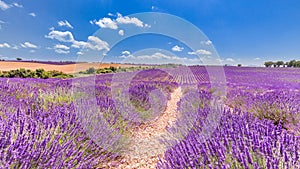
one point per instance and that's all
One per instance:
(159, 118)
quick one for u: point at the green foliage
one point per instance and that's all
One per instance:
(19, 58)
(279, 63)
(239, 65)
(91, 70)
(269, 64)
(114, 69)
(38, 73)
(292, 63)
(110, 69)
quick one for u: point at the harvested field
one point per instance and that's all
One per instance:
(67, 68)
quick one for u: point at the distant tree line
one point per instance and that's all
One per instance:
(92, 70)
(292, 63)
(112, 69)
(38, 73)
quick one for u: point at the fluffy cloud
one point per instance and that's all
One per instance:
(208, 42)
(160, 58)
(4, 45)
(230, 60)
(106, 23)
(200, 52)
(121, 32)
(28, 45)
(65, 23)
(125, 52)
(79, 53)
(60, 36)
(32, 14)
(59, 46)
(113, 24)
(93, 42)
(78, 44)
(127, 20)
(97, 44)
(61, 51)
(4, 5)
(17, 5)
(256, 58)
(177, 48)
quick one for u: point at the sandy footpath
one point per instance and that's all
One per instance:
(145, 148)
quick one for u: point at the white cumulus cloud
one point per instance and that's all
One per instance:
(59, 46)
(61, 51)
(106, 23)
(78, 44)
(110, 14)
(200, 52)
(113, 24)
(176, 48)
(230, 60)
(4, 6)
(96, 43)
(208, 42)
(32, 14)
(160, 58)
(65, 23)
(60, 36)
(127, 20)
(28, 45)
(121, 32)
(4, 45)
(79, 53)
(17, 5)
(93, 42)
(125, 52)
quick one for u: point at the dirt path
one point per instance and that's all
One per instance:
(145, 148)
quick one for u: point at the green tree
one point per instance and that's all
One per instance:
(269, 63)
(297, 63)
(91, 70)
(114, 69)
(279, 63)
(292, 63)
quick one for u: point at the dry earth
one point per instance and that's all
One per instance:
(68, 68)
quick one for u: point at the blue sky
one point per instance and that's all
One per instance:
(247, 32)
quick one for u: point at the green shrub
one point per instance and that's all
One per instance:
(38, 73)
(91, 70)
